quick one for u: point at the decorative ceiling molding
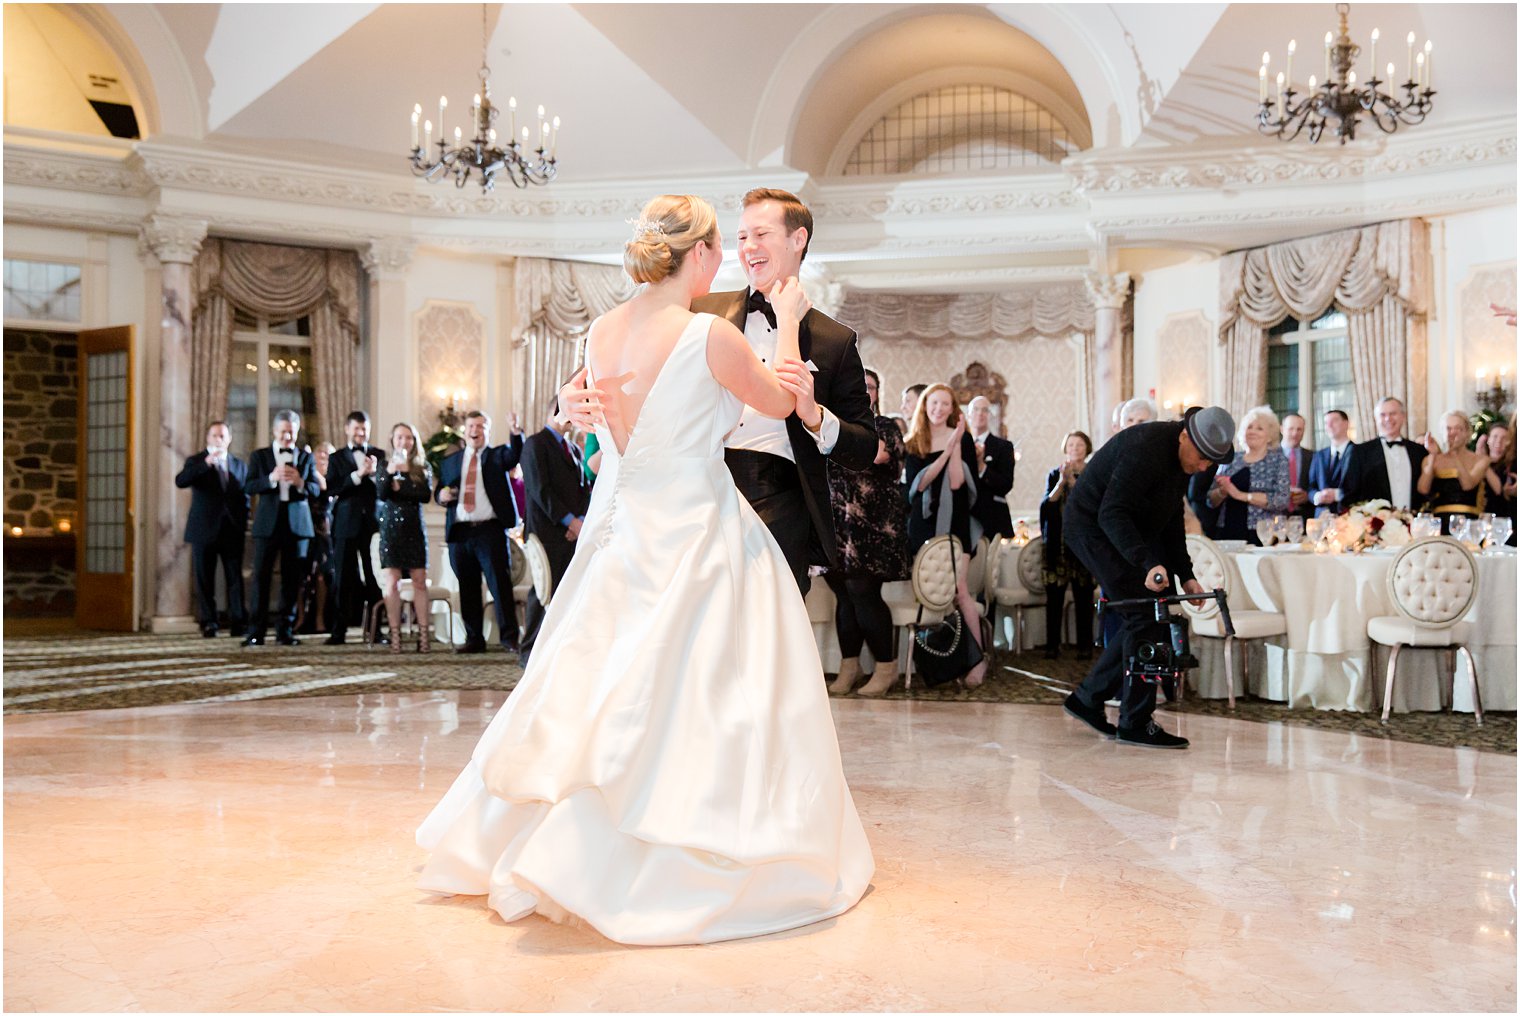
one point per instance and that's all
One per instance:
(1099, 173)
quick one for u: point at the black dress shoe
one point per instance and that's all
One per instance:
(510, 645)
(471, 647)
(284, 638)
(208, 631)
(1152, 736)
(253, 640)
(1096, 718)
(334, 640)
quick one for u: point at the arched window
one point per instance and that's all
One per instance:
(962, 128)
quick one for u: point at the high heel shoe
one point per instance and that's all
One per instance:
(882, 680)
(424, 639)
(849, 673)
(395, 642)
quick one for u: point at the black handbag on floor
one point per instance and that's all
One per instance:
(946, 651)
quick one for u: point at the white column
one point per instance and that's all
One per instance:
(392, 360)
(174, 242)
(1108, 294)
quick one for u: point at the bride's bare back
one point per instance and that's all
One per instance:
(629, 345)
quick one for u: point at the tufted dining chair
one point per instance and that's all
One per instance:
(1212, 572)
(931, 588)
(1019, 582)
(1432, 583)
(522, 583)
(538, 568)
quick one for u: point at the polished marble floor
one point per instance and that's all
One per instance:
(258, 855)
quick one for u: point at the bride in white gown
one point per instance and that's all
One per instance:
(667, 769)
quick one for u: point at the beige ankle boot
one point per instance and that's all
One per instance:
(849, 673)
(882, 680)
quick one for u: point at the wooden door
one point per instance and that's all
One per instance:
(103, 555)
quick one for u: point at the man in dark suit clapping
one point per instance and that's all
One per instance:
(215, 526)
(1328, 470)
(995, 463)
(1386, 467)
(285, 481)
(557, 501)
(473, 485)
(352, 473)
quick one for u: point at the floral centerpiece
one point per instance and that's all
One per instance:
(1371, 524)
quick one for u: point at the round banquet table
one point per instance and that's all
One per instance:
(1325, 659)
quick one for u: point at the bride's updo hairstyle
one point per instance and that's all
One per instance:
(665, 231)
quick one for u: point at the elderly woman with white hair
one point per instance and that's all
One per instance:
(1254, 485)
(1137, 410)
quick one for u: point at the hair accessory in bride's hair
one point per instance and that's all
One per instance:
(646, 227)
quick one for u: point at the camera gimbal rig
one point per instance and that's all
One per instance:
(1163, 653)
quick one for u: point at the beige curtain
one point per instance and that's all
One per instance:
(1378, 275)
(268, 280)
(1053, 311)
(556, 303)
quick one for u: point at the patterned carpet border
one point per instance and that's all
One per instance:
(55, 671)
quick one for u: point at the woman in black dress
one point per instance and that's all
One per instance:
(1498, 444)
(1061, 566)
(872, 548)
(1454, 480)
(941, 472)
(311, 603)
(405, 487)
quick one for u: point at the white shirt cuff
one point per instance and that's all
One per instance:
(828, 432)
(354, 477)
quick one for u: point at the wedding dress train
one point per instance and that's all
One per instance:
(667, 769)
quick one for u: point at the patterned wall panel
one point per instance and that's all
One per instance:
(1045, 399)
(1184, 341)
(450, 357)
(1486, 341)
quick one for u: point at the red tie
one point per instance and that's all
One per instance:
(468, 501)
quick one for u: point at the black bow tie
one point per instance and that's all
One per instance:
(357, 449)
(757, 301)
(1391, 444)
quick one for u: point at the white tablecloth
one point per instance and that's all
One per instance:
(1324, 660)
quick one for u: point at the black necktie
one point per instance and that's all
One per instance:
(757, 301)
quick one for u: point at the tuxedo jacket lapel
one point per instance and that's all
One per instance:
(735, 313)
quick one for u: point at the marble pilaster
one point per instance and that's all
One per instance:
(174, 242)
(387, 260)
(1108, 292)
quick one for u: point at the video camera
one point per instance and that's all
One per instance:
(1161, 652)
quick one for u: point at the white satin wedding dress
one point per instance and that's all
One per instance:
(667, 769)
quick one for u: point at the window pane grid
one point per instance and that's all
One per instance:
(41, 291)
(106, 464)
(959, 128)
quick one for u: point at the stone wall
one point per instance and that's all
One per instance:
(41, 476)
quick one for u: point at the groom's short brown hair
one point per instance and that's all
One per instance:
(794, 214)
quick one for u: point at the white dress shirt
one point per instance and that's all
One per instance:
(1400, 474)
(759, 433)
(483, 511)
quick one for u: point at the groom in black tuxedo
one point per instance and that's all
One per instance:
(779, 465)
(1386, 467)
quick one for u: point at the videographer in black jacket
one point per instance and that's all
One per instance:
(1124, 522)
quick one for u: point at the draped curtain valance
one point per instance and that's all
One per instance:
(278, 283)
(1052, 311)
(1379, 276)
(556, 301)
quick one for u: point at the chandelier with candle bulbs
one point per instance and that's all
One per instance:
(1339, 102)
(520, 161)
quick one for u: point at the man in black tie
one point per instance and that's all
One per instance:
(1328, 470)
(285, 481)
(215, 526)
(779, 465)
(557, 502)
(1386, 467)
(1298, 464)
(995, 464)
(473, 484)
(352, 472)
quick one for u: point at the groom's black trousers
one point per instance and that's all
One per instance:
(773, 488)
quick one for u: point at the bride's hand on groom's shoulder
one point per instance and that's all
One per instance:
(788, 300)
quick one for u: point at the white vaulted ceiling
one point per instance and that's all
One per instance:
(310, 103)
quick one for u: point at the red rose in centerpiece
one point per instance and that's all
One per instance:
(1374, 525)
